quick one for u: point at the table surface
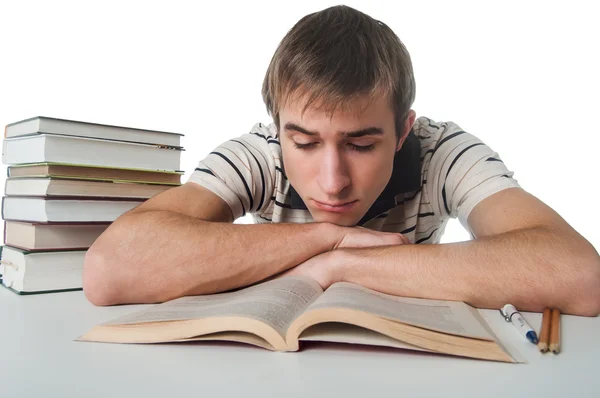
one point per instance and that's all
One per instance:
(40, 358)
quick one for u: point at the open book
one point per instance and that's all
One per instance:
(280, 313)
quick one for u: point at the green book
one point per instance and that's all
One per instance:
(83, 172)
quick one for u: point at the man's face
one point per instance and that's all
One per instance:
(340, 163)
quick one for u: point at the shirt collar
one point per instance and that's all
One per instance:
(406, 177)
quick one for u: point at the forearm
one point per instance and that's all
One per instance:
(531, 269)
(154, 256)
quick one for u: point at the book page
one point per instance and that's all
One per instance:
(343, 333)
(276, 302)
(444, 316)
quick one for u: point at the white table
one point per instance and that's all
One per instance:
(40, 359)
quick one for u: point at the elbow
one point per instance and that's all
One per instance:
(592, 303)
(113, 274)
(585, 289)
(98, 284)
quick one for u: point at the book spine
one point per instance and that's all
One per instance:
(1, 247)
(77, 198)
(26, 293)
(76, 223)
(38, 251)
(31, 250)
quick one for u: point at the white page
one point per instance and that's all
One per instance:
(344, 333)
(445, 316)
(276, 302)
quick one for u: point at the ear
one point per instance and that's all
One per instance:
(408, 125)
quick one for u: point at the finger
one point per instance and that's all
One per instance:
(405, 239)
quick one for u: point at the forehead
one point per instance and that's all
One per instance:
(363, 108)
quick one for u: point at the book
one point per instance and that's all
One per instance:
(48, 125)
(16, 186)
(89, 151)
(280, 313)
(36, 237)
(26, 272)
(45, 209)
(59, 170)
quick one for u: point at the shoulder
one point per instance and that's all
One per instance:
(243, 171)
(262, 139)
(460, 169)
(443, 143)
(267, 132)
(259, 146)
(433, 134)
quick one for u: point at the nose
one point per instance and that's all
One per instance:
(333, 174)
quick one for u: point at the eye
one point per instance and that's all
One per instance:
(361, 148)
(304, 146)
(357, 148)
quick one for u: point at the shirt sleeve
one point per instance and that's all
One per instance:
(462, 172)
(241, 171)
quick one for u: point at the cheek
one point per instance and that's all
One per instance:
(373, 175)
(298, 168)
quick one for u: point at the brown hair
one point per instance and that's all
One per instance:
(338, 55)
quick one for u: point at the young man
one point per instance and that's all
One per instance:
(348, 184)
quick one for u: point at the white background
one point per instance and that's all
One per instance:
(522, 76)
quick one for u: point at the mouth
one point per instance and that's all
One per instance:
(335, 207)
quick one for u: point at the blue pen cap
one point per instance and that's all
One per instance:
(531, 336)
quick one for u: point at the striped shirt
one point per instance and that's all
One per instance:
(441, 172)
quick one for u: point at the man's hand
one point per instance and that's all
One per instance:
(355, 237)
(323, 267)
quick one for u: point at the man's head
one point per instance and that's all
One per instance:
(339, 89)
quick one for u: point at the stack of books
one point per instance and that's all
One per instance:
(66, 182)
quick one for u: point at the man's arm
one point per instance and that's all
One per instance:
(523, 253)
(182, 242)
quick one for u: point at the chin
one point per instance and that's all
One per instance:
(346, 220)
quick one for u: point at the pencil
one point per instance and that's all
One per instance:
(545, 332)
(555, 331)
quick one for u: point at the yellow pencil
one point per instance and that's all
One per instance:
(555, 331)
(545, 332)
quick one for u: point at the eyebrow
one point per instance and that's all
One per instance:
(348, 134)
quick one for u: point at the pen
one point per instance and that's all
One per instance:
(511, 314)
